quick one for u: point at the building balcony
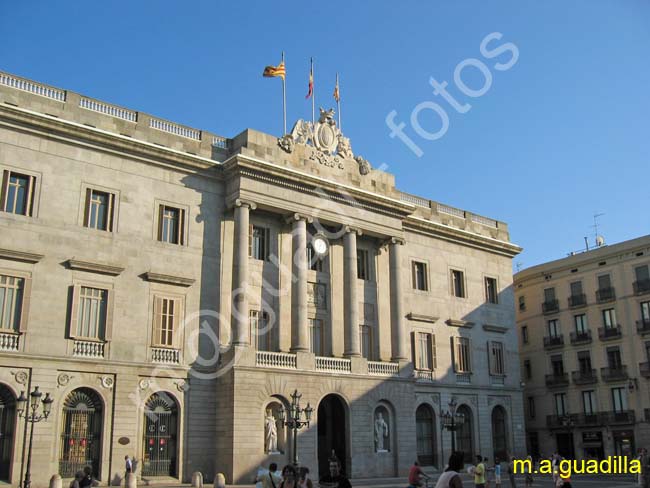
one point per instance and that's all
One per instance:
(552, 342)
(165, 355)
(561, 421)
(584, 377)
(557, 380)
(644, 369)
(576, 301)
(380, 368)
(9, 341)
(643, 326)
(581, 337)
(605, 294)
(614, 374)
(589, 419)
(88, 349)
(609, 333)
(551, 306)
(269, 359)
(641, 287)
(618, 418)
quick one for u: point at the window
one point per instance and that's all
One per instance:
(260, 332)
(314, 262)
(365, 339)
(420, 276)
(647, 350)
(99, 210)
(614, 358)
(609, 318)
(576, 288)
(557, 365)
(424, 351)
(491, 290)
(549, 295)
(560, 404)
(166, 321)
(604, 282)
(457, 283)
(554, 328)
(259, 243)
(645, 311)
(91, 318)
(580, 322)
(316, 336)
(462, 358)
(589, 402)
(527, 369)
(531, 407)
(497, 358)
(363, 265)
(524, 334)
(619, 400)
(11, 302)
(18, 193)
(522, 303)
(641, 273)
(584, 362)
(171, 225)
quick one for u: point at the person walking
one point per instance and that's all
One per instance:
(289, 477)
(303, 478)
(335, 479)
(270, 479)
(479, 472)
(497, 472)
(529, 472)
(76, 482)
(450, 478)
(511, 472)
(416, 475)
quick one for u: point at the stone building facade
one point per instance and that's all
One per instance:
(583, 323)
(170, 288)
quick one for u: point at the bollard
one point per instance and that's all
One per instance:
(197, 479)
(220, 481)
(55, 481)
(131, 480)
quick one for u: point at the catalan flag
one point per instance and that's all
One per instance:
(275, 71)
(337, 95)
(310, 91)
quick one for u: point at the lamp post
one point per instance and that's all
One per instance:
(293, 420)
(451, 420)
(28, 409)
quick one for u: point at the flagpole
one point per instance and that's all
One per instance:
(338, 102)
(313, 95)
(284, 98)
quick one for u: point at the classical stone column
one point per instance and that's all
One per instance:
(351, 301)
(240, 332)
(299, 320)
(398, 333)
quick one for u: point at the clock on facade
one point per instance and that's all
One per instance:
(319, 243)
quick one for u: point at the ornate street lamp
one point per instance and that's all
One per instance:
(28, 409)
(293, 420)
(452, 421)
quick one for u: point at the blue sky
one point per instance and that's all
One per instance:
(561, 135)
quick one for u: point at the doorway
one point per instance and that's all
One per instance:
(332, 434)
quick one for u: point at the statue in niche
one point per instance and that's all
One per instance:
(381, 432)
(271, 433)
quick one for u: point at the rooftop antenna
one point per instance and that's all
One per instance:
(598, 238)
(518, 265)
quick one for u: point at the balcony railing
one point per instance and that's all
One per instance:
(164, 355)
(614, 374)
(561, 421)
(641, 287)
(557, 380)
(334, 365)
(643, 326)
(380, 368)
(551, 342)
(551, 306)
(423, 375)
(578, 300)
(88, 349)
(609, 333)
(9, 342)
(581, 337)
(270, 359)
(644, 369)
(605, 294)
(621, 417)
(590, 419)
(584, 377)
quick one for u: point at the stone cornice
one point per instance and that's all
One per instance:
(168, 279)
(459, 323)
(26, 257)
(89, 267)
(460, 236)
(495, 328)
(421, 318)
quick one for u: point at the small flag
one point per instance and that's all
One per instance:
(311, 82)
(337, 95)
(275, 71)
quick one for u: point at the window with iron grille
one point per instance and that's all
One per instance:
(99, 210)
(11, 300)
(17, 193)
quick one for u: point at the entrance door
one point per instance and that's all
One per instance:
(565, 445)
(160, 431)
(465, 434)
(7, 423)
(425, 434)
(332, 434)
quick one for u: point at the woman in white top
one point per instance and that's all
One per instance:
(451, 478)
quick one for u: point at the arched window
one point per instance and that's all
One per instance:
(81, 433)
(465, 434)
(426, 435)
(499, 433)
(7, 423)
(160, 436)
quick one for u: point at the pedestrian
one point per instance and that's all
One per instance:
(128, 467)
(479, 472)
(563, 480)
(450, 478)
(335, 479)
(76, 482)
(88, 479)
(497, 472)
(511, 472)
(529, 472)
(303, 478)
(289, 477)
(270, 479)
(416, 475)
(489, 472)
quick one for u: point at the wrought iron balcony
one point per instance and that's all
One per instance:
(557, 380)
(551, 306)
(644, 369)
(643, 326)
(614, 374)
(609, 333)
(641, 287)
(567, 421)
(581, 337)
(605, 294)
(584, 377)
(551, 342)
(577, 300)
(618, 418)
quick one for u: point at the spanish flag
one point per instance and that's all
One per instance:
(337, 95)
(275, 71)
(310, 91)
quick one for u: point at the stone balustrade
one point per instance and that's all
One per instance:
(380, 368)
(268, 359)
(88, 349)
(334, 365)
(9, 342)
(163, 355)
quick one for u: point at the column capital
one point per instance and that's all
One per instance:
(294, 217)
(356, 230)
(245, 203)
(400, 241)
